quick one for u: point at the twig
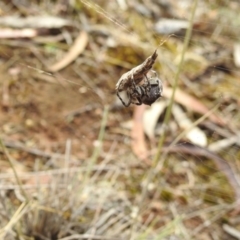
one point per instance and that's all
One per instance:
(34, 151)
(11, 162)
(98, 147)
(81, 110)
(176, 80)
(231, 231)
(63, 171)
(86, 236)
(151, 174)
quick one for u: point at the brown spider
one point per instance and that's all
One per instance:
(138, 93)
(147, 93)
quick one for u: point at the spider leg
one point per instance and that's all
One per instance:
(148, 87)
(148, 83)
(133, 82)
(129, 99)
(125, 104)
(139, 101)
(139, 93)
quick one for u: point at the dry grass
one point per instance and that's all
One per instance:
(68, 172)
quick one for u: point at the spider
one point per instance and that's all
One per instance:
(147, 93)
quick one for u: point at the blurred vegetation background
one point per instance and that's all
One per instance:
(77, 164)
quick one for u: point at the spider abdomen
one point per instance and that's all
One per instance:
(154, 93)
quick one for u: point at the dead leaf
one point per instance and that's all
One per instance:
(236, 54)
(76, 49)
(138, 139)
(195, 134)
(168, 26)
(16, 33)
(151, 116)
(192, 103)
(34, 22)
(224, 143)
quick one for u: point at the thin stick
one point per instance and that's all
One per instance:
(98, 148)
(176, 80)
(11, 163)
(151, 173)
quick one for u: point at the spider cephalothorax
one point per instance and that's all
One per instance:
(147, 93)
